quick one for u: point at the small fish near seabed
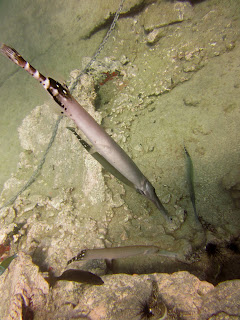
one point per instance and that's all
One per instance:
(74, 275)
(97, 136)
(5, 264)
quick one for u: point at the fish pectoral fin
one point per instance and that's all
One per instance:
(97, 156)
(110, 265)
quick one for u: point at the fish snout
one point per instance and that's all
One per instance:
(149, 192)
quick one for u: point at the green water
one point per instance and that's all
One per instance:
(184, 89)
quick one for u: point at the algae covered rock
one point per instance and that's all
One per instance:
(161, 14)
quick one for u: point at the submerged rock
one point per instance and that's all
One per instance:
(161, 14)
(24, 289)
(121, 297)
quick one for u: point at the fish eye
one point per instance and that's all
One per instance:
(140, 191)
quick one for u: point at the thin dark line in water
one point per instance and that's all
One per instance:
(39, 167)
(54, 133)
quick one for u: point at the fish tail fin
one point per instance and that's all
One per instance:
(51, 280)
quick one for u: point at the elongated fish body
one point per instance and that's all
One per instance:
(120, 252)
(190, 181)
(101, 141)
(104, 163)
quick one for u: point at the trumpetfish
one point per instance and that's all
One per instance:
(121, 252)
(99, 138)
